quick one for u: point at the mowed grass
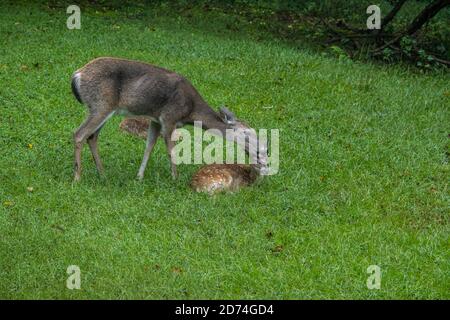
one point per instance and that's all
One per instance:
(363, 176)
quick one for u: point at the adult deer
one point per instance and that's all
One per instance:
(111, 86)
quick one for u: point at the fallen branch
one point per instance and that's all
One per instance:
(399, 50)
(426, 14)
(443, 61)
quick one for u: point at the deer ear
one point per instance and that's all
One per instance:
(227, 116)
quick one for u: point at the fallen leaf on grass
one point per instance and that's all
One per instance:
(58, 227)
(279, 248)
(177, 270)
(8, 203)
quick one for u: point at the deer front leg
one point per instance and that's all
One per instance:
(152, 136)
(167, 131)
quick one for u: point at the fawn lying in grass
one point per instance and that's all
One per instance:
(211, 178)
(215, 178)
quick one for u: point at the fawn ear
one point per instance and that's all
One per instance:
(227, 116)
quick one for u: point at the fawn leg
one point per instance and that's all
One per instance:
(90, 126)
(152, 136)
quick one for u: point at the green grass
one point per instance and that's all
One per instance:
(363, 170)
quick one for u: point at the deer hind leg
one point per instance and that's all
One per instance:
(152, 135)
(92, 124)
(92, 142)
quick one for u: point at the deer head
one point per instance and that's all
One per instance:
(255, 149)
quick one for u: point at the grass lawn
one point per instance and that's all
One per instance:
(363, 180)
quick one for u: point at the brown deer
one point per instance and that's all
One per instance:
(111, 86)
